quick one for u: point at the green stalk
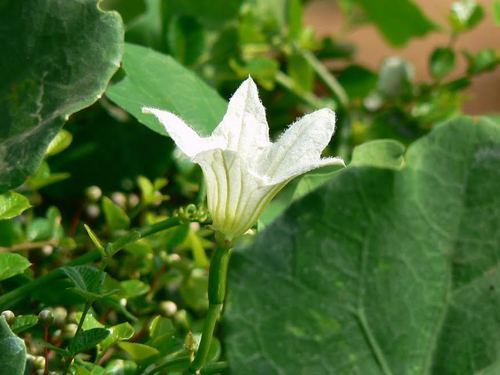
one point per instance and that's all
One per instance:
(214, 368)
(80, 325)
(323, 73)
(216, 295)
(9, 299)
(306, 96)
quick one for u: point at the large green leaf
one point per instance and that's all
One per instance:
(12, 351)
(57, 58)
(397, 20)
(379, 271)
(382, 153)
(156, 80)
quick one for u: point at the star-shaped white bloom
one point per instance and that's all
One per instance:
(243, 169)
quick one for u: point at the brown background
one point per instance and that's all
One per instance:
(483, 95)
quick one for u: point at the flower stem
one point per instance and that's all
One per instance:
(214, 368)
(216, 295)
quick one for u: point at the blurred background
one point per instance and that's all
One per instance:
(326, 17)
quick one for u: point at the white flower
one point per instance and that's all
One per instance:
(243, 169)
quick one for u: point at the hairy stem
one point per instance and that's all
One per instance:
(216, 295)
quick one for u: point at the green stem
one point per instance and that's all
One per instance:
(308, 97)
(216, 295)
(214, 368)
(9, 299)
(323, 73)
(80, 325)
(172, 364)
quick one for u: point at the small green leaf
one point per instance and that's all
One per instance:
(161, 326)
(85, 278)
(40, 229)
(121, 367)
(138, 352)
(133, 288)
(23, 322)
(95, 240)
(12, 204)
(119, 332)
(483, 61)
(442, 62)
(12, 351)
(464, 15)
(12, 264)
(397, 20)
(116, 217)
(89, 322)
(381, 153)
(60, 142)
(147, 189)
(87, 339)
(157, 80)
(43, 177)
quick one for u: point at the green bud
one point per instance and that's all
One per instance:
(168, 308)
(69, 330)
(9, 316)
(46, 317)
(119, 199)
(93, 193)
(39, 362)
(60, 315)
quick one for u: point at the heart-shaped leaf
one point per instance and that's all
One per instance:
(57, 58)
(379, 271)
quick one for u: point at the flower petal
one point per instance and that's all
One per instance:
(302, 169)
(236, 197)
(244, 126)
(188, 141)
(299, 147)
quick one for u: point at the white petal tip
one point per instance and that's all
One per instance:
(148, 110)
(327, 112)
